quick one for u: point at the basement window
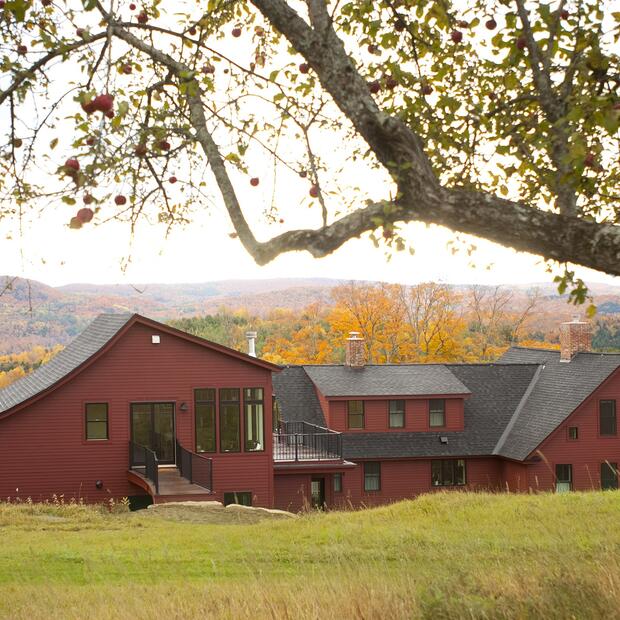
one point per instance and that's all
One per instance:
(96, 421)
(573, 433)
(244, 498)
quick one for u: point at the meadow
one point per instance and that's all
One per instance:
(443, 555)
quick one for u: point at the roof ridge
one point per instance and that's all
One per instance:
(513, 419)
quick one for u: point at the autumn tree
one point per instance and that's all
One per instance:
(496, 118)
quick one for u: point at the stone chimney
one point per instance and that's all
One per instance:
(575, 337)
(251, 336)
(355, 351)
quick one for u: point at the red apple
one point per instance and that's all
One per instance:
(120, 200)
(374, 87)
(521, 43)
(126, 69)
(91, 140)
(281, 221)
(44, 2)
(172, 179)
(140, 149)
(391, 82)
(85, 215)
(89, 106)
(75, 223)
(589, 160)
(88, 199)
(192, 31)
(236, 32)
(372, 49)
(254, 181)
(564, 14)
(110, 113)
(103, 103)
(400, 24)
(462, 24)
(304, 67)
(22, 50)
(427, 89)
(164, 145)
(491, 24)
(80, 32)
(72, 164)
(132, 7)
(303, 174)
(143, 17)
(314, 191)
(456, 36)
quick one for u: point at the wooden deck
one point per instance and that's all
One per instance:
(172, 486)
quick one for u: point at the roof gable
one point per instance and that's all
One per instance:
(97, 338)
(559, 389)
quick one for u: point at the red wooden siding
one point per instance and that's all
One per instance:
(376, 417)
(586, 453)
(43, 450)
(292, 492)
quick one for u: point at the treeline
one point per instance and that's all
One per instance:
(428, 322)
(17, 365)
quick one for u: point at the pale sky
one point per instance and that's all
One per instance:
(47, 250)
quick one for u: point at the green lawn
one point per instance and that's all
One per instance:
(447, 555)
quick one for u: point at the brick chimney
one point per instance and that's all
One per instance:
(355, 351)
(575, 337)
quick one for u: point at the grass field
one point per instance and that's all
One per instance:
(447, 555)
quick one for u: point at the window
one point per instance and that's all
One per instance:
(563, 478)
(437, 412)
(96, 421)
(397, 413)
(230, 440)
(609, 476)
(372, 476)
(337, 483)
(355, 414)
(448, 472)
(254, 419)
(607, 417)
(238, 497)
(573, 433)
(204, 412)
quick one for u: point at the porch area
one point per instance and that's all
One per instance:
(190, 478)
(297, 442)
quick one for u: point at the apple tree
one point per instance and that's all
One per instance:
(497, 118)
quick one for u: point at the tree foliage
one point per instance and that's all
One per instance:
(497, 118)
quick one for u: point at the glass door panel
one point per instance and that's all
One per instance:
(152, 426)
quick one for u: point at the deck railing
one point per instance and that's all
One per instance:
(302, 441)
(196, 468)
(144, 460)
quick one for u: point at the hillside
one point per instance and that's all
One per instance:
(35, 314)
(444, 555)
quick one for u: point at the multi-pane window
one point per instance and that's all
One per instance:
(97, 421)
(437, 412)
(609, 476)
(448, 472)
(607, 417)
(573, 433)
(397, 413)
(204, 412)
(563, 478)
(337, 483)
(230, 409)
(253, 403)
(238, 497)
(355, 414)
(372, 476)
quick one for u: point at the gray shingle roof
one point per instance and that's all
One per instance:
(496, 391)
(387, 380)
(91, 340)
(559, 389)
(296, 396)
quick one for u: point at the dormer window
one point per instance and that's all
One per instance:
(437, 412)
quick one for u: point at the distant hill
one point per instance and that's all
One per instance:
(33, 313)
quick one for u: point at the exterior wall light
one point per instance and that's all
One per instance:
(99, 484)
(183, 407)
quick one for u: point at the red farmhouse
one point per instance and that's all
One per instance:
(134, 408)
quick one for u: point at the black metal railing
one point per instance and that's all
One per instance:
(196, 468)
(302, 441)
(144, 460)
